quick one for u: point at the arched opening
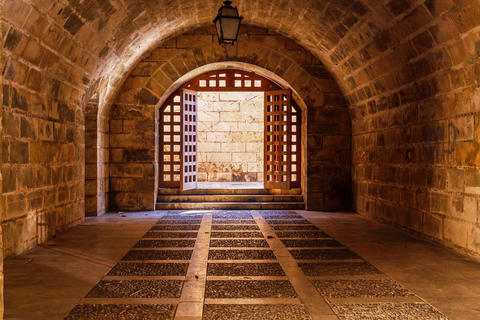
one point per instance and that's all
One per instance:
(180, 139)
(133, 173)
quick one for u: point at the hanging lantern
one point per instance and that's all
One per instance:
(227, 23)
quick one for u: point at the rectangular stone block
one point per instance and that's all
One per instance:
(224, 176)
(247, 136)
(233, 147)
(233, 116)
(464, 208)
(218, 157)
(455, 231)
(244, 157)
(222, 127)
(126, 170)
(336, 142)
(209, 117)
(254, 126)
(19, 151)
(211, 147)
(228, 105)
(439, 203)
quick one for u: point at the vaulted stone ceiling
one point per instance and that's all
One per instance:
(357, 40)
(134, 27)
(408, 68)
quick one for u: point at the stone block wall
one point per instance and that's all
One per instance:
(132, 156)
(1, 188)
(43, 124)
(325, 130)
(230, 136)
(96, 161)
(415, 105)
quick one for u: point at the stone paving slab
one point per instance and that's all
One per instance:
(182, 216)
(294, 227)
(241, 255)
(323, 254)
(149, 269)
(338, 269)
(121, 311)
(302, 234)
(274, 212)
(281, 216)
(226, 289)
(136, 289)
(179, 221)
(164, 243)
(167, 227)
(158, 255)
(259, 311)
(244, 269)
(233, 221)
(228, 215)
(234, 227)
(320, 243)
(288, 221)
(237, 234)
(190, 234)
(239, 243)
(381, 311)
(361, 288)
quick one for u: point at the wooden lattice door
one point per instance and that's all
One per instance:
(282, 122)
(189, 140)
(171, 142)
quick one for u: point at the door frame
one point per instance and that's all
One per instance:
(230, 80)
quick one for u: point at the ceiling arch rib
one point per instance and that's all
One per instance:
(311, 24)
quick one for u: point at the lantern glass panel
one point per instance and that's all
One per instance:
(230, 28)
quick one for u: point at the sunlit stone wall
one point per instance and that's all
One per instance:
(230, 136)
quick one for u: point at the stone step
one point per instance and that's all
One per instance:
(230, 198)
(231, 205)
(162, 191)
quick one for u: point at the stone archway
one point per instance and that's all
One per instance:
(132, 155)
(240, 141)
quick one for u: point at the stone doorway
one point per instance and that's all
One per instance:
(231, 137)
(230, 126)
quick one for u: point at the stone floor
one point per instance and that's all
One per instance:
(230, 185)
(239, 265)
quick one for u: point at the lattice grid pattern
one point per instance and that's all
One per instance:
(231, 80)
(178, 130)
(278, 139)
(295, 156)
(189, 160)
(171, 142)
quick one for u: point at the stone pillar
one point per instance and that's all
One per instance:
(91, 172)
(2, 207)
(95, 162)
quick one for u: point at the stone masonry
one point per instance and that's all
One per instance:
(390, 89)
(326, 151)
(230, 136)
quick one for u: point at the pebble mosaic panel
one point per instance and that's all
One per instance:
(136, 289)
(149, 269)
(259, 311)
(158, 255)
(239, 243)
(241, 255)
(338, 269)
(229, 289)
(122, 311)
(244, 269)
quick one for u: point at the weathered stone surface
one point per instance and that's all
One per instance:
(235, 158)
(409, 73)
